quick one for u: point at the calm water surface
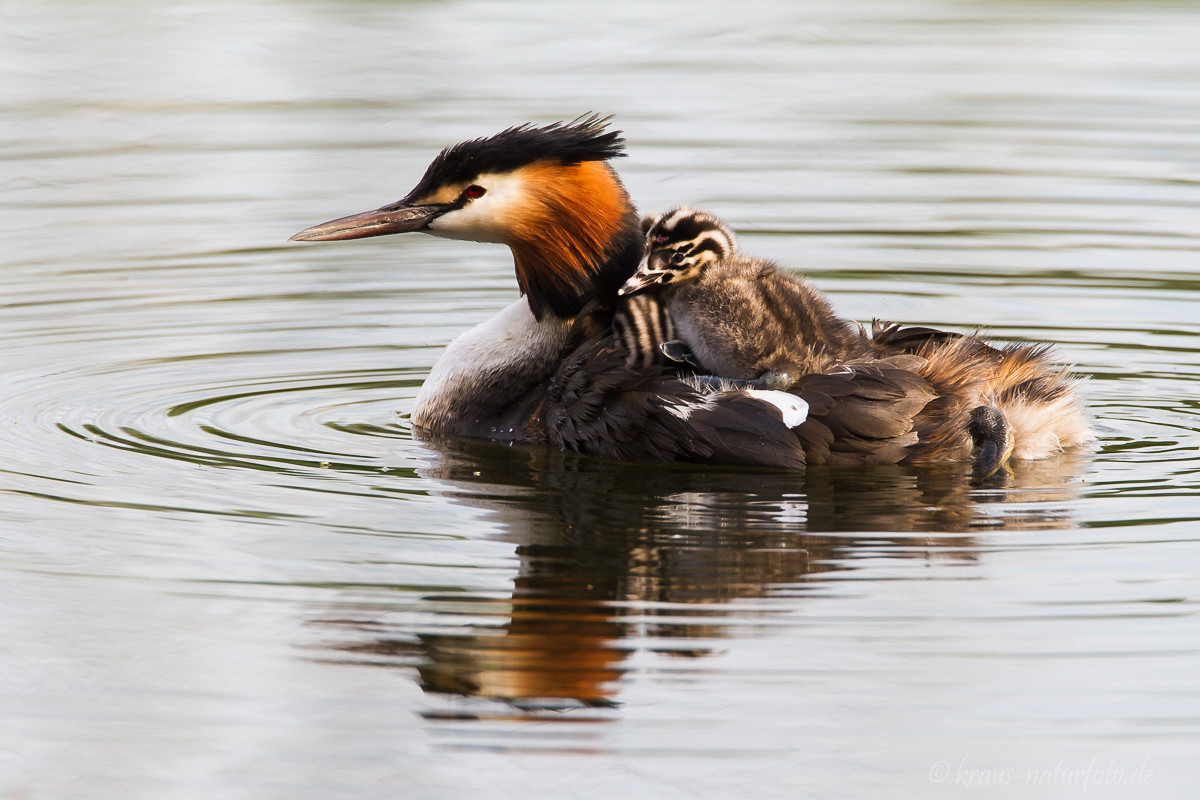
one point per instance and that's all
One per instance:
(229, 569)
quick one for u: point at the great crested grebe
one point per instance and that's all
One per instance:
(551, 368)
(537, 371)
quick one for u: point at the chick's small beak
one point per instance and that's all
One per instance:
(649, 272)
(396, 218)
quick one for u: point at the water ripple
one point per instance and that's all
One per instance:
(232, 565)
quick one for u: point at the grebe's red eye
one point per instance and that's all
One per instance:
(474, 191)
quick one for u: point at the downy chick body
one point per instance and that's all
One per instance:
(739, 317)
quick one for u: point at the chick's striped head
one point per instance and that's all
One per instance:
(680, 246)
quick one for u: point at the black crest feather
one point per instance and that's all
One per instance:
(585, 138)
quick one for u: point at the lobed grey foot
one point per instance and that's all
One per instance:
(778, 381)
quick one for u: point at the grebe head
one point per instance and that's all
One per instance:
(548, 193)
(680, 245)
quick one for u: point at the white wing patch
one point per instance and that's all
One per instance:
(793, 409)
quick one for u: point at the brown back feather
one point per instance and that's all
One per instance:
(863, 412)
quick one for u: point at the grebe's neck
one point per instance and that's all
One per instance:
(576, 238)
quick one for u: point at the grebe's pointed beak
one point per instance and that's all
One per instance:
(396, 218)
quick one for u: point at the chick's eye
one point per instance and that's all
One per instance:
(474, 192)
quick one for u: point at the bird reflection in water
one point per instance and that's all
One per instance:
(615, 558)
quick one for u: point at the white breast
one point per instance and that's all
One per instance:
(509, 349)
